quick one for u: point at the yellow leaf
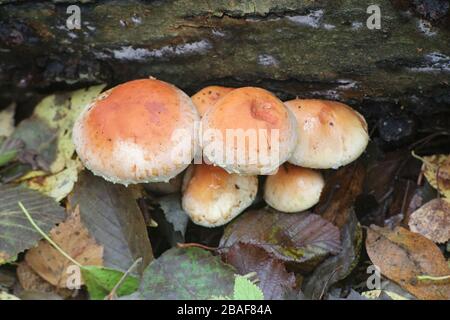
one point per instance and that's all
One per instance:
(7, 121)
(6, 296)
(60, 113)
(57, 185)
(375, 294)
(437, 171)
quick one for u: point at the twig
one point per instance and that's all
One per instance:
(325, 287)
(432, 278)
(425, 161)
(195, 245)
(46, 237)
(112, 295)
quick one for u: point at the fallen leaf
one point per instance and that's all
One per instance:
(7, 157)
(7, 296)
(274, 281)
(384, 188)
(57, 185)
(244, 289)
(38, 295)
(101, 281)
(339, 194)
(30, 281)
(71, 236)
(337, 295)
(10, 149)
(16, 233)
(172, 220)
(437, 172)
(432, 220)
(7, 277)
(186, 274)
(403, 255)
(7, 120)
(338, 267)
(381, 294)
(48, 132)
(112, 216)
(302, 240)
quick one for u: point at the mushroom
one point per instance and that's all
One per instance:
(139, 131)
(331, 134)
(208, 96)
(293, 189)
(212, 197)
(249, 131)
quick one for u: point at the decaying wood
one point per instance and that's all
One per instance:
(307, 48)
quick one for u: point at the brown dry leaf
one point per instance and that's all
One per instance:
(31, 281)
(73, 237)
(403, 255)
(339, 194)
(432, 220)
(437, 172)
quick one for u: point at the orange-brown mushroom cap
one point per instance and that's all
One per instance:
(293, 188)
(212, 197)
(208, 97)
(131, 133)
(331, 134)
(249, 131)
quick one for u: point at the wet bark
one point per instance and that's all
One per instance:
(295, 48)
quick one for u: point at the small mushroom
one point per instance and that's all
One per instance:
(134, 132)
(331, 134)
(252, 132)
(212, 197)
(208, 97)
(293, 189)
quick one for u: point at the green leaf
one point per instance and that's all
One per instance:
(16, 232)
(244, 289)
(100, 281)
(7, 157)
(191, 274)
(9, 150)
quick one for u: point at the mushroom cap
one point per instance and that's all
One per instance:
(293, 189)
(331, 134)
(139, 131)
(212, 197)
(249, 131)
(208, 96)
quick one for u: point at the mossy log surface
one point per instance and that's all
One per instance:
(307, 48)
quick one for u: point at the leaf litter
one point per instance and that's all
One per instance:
(263, 254)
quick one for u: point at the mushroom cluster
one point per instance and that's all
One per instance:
(148, 131)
